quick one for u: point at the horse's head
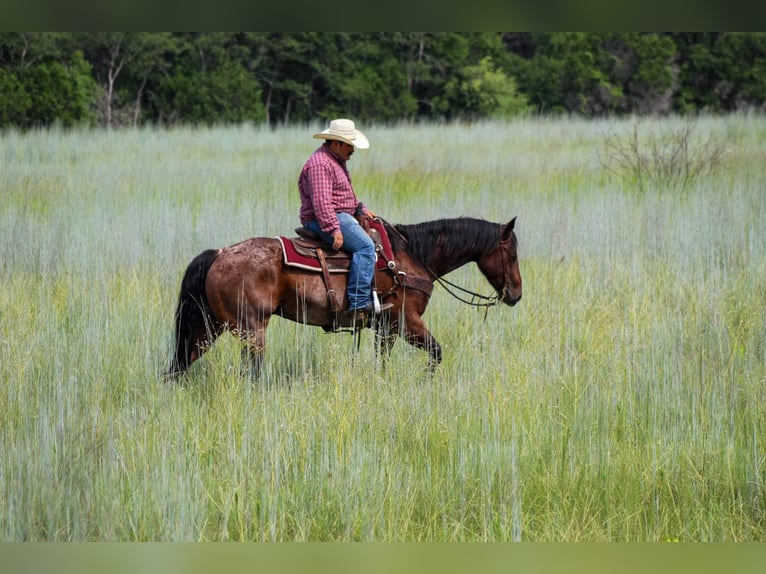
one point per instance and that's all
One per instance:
(500, 265)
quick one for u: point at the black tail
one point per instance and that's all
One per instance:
(193, 314)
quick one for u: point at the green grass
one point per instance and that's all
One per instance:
(622, 399)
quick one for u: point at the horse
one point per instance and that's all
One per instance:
(242, 286)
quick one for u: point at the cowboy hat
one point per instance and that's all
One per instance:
(345, 131)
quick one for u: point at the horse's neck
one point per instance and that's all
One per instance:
(445, 245)
(441, 264)
(444, 266)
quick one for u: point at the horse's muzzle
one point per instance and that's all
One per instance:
(510, 299)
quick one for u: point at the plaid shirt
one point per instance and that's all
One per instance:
(325, 187)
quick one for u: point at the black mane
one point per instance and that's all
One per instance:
(456, 237)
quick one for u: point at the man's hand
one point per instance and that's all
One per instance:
(370, 213)
(337, 239)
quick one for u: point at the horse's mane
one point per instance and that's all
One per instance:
(456, 237)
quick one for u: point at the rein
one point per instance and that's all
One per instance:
(476, 300)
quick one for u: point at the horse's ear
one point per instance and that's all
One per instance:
(508, 229)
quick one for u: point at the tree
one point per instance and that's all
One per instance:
(110, 53)
(647, 76)
(21, 50)
(290, 78)
(593, 73)
(210, 84)
(745, 72)
(43, 83)
(153, 56)
(430, 60)
(14, 101)
(481, 91)
(696, 76)
(367, 82)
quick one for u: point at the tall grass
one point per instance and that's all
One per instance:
(622, 399)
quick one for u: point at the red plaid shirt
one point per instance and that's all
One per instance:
(325, 187)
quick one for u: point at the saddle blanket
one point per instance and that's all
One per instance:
(301, 252)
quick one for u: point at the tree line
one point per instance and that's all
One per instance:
(205, 78)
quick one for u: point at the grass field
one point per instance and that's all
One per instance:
(621, 400)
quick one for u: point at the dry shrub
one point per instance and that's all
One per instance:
(665, 161)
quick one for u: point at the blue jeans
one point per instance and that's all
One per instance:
(358, 244)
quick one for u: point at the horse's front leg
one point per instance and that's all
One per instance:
(416, 334)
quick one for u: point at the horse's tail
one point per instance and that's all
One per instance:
(193, 317)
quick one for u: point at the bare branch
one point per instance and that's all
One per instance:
(673, 162)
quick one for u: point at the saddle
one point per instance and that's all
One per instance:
(309, 252)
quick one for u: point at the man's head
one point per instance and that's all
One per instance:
(343, 130)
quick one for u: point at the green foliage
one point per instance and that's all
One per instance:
(643, 65)
(47, 93)
(720, 72)
(224, 95)
(371, 83)
(379, 94)
(745, 67)
(700, 66)
(84, 88)
(482, 91)
(303, 77)
(595, 73)
(14, 101)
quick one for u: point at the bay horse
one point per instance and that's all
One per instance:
(242, 286)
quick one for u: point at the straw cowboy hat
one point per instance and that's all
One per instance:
(345, 131)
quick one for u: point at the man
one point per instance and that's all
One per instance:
(328, 205)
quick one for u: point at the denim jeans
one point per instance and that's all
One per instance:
(357, 243)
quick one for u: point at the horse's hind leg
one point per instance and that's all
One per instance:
(255, 346)
(191, 348)
(385, 337)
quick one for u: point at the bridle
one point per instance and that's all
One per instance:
(477, 299)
